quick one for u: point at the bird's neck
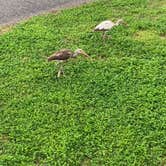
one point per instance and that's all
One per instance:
(117, 23)
(74, 55)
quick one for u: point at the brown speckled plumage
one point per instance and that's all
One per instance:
(61, 55)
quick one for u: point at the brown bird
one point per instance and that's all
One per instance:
(65, 54)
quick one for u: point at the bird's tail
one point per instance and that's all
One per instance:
(51, 58)
(96, 29)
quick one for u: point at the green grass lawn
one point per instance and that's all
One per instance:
(106, 111)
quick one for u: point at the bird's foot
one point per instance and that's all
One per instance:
(60, 72)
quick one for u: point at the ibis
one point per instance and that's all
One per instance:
(64, 55)
(107, 25)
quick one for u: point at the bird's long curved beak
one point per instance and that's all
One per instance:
(84, 54)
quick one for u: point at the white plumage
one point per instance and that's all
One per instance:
(105, 26)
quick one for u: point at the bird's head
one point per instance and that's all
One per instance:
(80, 52)
(120, 21)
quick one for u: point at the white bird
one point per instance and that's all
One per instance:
(106, 26)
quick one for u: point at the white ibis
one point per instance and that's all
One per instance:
(106, 26)
(65, 54)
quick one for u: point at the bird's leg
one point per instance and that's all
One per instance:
(104, 36)
(59, 74)
(60, 70)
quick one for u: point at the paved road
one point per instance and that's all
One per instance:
(14, 10)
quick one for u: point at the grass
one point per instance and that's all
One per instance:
(109, 111)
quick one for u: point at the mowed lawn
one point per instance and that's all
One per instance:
(107, 110)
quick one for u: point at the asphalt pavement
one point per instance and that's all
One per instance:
(15, 10)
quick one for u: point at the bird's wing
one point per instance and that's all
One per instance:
(64, 54)
(105, 25)
(61, 55)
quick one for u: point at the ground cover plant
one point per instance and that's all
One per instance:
(105, 111)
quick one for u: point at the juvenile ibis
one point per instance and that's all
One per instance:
(106, 26)
(65, 54)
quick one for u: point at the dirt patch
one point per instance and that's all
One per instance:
(157, 4)
(146, 35)
(4, 138)
(163, 36)
(5, 29)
